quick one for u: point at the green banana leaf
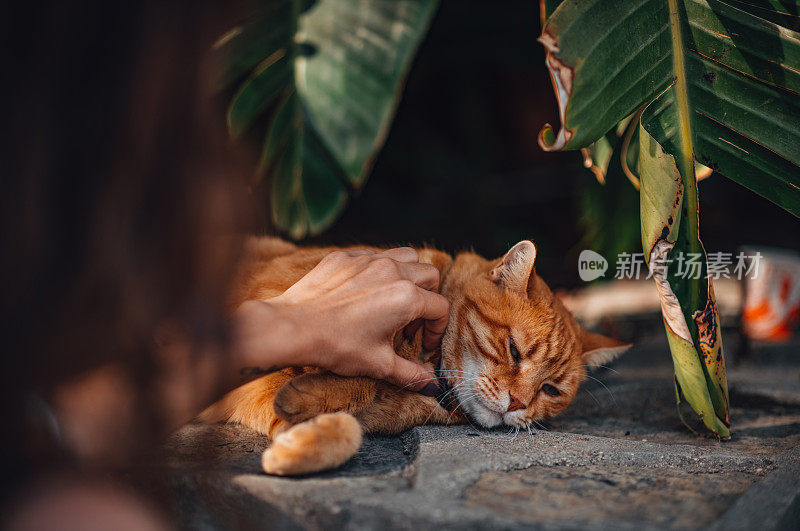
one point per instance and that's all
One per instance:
(320, 86)
(739, 71)
(717, 82)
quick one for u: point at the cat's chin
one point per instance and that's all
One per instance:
(471, 404)
(486, 417)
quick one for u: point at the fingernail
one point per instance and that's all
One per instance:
(430, 389)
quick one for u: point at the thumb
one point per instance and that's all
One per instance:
(411, 376)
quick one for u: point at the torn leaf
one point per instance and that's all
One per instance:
(670, 306)
(561, 76)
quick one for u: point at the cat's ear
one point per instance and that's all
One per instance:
(599, 349)
(515, 267)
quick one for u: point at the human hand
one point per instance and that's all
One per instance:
(343, 315)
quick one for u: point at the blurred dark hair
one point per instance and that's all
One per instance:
(118, 180)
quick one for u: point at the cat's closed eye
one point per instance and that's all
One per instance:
(550, 390)
(514, 351)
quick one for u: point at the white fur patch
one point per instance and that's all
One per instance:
(469, 395)
(600, 356)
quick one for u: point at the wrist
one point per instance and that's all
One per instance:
(266, 335)
(307, 330)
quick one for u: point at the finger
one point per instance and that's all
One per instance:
(401, 254)
(435, 310)
(425, 276)
(359, 252)
(409, 375)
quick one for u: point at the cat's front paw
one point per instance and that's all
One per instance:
(299, 400)
(322, 443)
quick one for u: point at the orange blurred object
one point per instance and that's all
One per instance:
(772, 295)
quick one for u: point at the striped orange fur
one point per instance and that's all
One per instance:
(512, 354)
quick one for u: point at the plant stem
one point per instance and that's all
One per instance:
(686, 164)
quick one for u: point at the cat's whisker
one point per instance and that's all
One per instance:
(455, 375)
(469, 395)
(445, 371)
(593, 397)
(418, 381)
(470, 423)
(459, 385)
(602, 366)
(459, 400)
(465, 388)
(606, 388)
(541, 426)
(448, 393)
(429, 416)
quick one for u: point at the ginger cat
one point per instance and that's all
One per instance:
(511, 354)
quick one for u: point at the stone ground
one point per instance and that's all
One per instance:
(618, 458)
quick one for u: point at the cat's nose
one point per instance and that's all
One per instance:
(514, 403)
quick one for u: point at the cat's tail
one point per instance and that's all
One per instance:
(321, 443)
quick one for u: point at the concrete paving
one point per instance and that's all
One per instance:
(618, 458)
